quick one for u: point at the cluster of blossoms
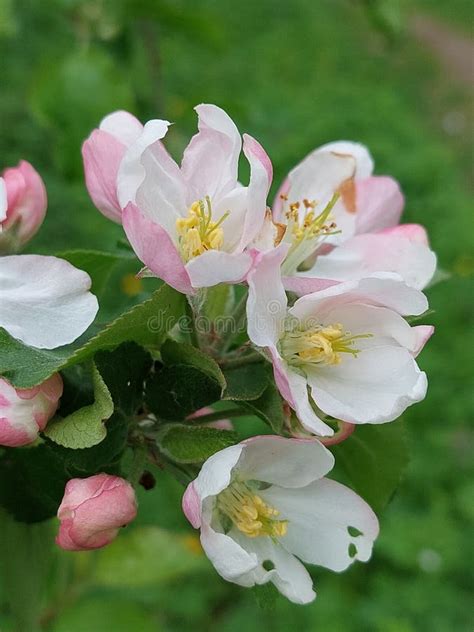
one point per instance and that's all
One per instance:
(330, 278)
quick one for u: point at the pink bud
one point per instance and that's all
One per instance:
(102, 154)
(24, 412)
(220, 424)
(93, 510)
(26, 204)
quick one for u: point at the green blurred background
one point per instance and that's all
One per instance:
(295, 74)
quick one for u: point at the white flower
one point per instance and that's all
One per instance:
(348, 343)
(342, 222)
(192, 225)
(263, 505)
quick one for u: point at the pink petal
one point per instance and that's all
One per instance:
(102, 154)
(154, 247)
(379, 204)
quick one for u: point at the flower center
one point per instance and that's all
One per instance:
(321, 345)
(197, 233)
(249, 513)
(305, 229)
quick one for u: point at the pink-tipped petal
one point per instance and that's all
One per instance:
(302, 284)
(261, 174)
(423, 333)
(123, 126)
(155, 249)
(192, 506)
(414, 232)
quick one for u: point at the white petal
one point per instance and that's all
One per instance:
(363, 255)
(376, 387)
(319, 176)
(266, 304)
(385, 326)
(210, 161)
(230, 560)
(364, 161)
(384, 289)
(285, 462)
(319, 516)
(123, 126)
(215, 266)
(288, 575)
(309, 419)
(216, 473)
(44, 301)
(150, 178)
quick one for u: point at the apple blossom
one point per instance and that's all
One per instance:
(92, 511)
(102, 153)
(341, 221)
(191, 225)
(24, 412)
(264, 504)
(44, 301)
(348, 343)
(23, 205)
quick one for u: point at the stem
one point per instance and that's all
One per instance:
(220, 414)
(140, 457)
(239, 316)
(193, 334)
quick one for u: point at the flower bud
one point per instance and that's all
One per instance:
(93, 510)
(24, 412)
(24, 206)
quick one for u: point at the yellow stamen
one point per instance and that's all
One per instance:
(250, 513)
(319, 345)
(197, 233)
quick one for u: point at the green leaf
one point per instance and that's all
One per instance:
(148, 555)
(98, 265)
(245, 382)
(85, 427)
(174, 392)
(269, 407)
(372, 461)
(173, 353)
(32, 482)
(103, 457)
(124, 371)
(189, 381)
(194, 444)
(146, 323)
